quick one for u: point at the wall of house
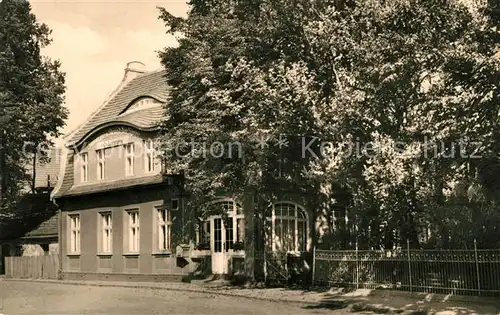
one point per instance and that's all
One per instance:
(147, 261)
(112, 141)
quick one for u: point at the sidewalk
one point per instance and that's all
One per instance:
(362, 300)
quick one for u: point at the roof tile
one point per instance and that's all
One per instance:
(48, 227)
(151, 84)
(113, 185)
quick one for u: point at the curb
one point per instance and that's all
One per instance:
(342, 303)
(361, 307)
(438, 297)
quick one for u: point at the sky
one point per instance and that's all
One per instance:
(94, 40)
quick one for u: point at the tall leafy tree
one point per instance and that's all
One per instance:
(31, 94)
(410, 77)
(402, 85)
(233, 83)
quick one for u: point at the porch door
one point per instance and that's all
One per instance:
(222, 243)
(218, 244)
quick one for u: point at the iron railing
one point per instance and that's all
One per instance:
(272, 266)
(460, 272)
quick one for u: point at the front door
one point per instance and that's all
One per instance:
(223, 235)
(222, 243)
(218, 240)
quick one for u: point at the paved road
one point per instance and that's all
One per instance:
(48, 298)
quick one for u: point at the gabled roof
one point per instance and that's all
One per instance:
(113, 112)
(152, 84)
(48, 172)
(144, 119)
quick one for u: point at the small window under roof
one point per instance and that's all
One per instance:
(142, 103)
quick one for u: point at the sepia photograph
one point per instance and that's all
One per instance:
(250, 157)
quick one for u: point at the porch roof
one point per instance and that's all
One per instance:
(47, 228)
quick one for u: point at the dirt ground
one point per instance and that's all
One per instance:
(53, 298)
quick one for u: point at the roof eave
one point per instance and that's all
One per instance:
(111, 124)
(68, 194)
(45, 236)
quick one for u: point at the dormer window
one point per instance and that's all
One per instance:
(129, 159)
(100, 164)
(84, 166)
(149, 157)
(142, 103)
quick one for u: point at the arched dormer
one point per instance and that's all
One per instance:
(140, 103)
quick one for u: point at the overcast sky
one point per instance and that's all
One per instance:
(95, 39)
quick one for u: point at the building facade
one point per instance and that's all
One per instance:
(124, 216)
(118, 208)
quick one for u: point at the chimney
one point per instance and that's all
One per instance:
(133, 69)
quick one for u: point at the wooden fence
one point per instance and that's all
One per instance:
(32, 267)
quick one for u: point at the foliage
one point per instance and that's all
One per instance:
(401, 90)
(31, 92)
(221, 93)
(32, 209)
(239, 246)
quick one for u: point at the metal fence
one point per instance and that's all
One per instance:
(460, 272)
(272, 267)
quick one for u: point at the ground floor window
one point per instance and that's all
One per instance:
(164, 229)
(131, 231)
(106, 232)
(288, 227)
(74, 230)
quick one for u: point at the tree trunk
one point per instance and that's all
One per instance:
(250, 239)
(3, 180)
(33, 180)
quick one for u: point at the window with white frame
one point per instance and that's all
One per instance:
(129, 159)
(288, 227)
(164, 229)
(149, 156)
(106, 235)
(101, 157)
(133, 231)
(84, 167)
(74, 230)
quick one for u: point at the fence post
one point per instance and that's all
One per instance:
(357, 267)
(477, 268)
(409, 263)
(313, 266)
